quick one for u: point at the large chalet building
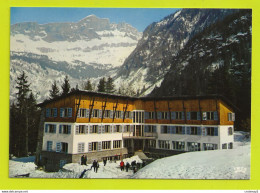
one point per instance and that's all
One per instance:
(112, 126)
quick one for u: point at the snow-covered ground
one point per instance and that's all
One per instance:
(218, 164)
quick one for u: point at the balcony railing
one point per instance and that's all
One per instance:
(150, 134)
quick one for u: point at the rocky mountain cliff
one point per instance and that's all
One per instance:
(216, 61)
(151, 59)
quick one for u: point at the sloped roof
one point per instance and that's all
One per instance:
(148, 98)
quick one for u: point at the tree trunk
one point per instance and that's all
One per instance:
(26, 133)
(40, 138)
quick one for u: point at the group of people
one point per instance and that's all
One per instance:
(95, 164)
(123, 166)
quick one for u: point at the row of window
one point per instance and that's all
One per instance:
(89, 129)
(165, 129)
(92, 146)
(186, 146)
(85, 129)
(97, 113)
(180, 115)
(138, 117)
(188, 130)
(64, 112)
(63, 129)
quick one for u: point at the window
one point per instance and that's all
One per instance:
(54, 112)
(64, 147)
(209, 146)
(210, 131)
(106, 144)
(107, 129)
(151, 115)
(178, 115)
(210, 115)
(65, 129)
(179, 129)
(49, 145)
(52, 128)
(152, 143)
(138, 117)
(164, 115)
(81, 129)
(118, 114)
(194, 130)
(117, 144)
(164, 144)
(230, 131)
(164, 129)
(150, 128)
(81, 147)
(193, 115)
(118, 128)
(51, 112)
(193, 146)
(83, 112)
(65, 112)
(178, 145)
(127, 115)
(126, 128)
(107, 114)
(95, 113)
(224, 146)
(231, 116)
(95, 129)
(94, 146)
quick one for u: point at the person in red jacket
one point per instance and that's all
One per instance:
(122, 165)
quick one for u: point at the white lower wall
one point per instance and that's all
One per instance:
(73, 139)
(225, 137)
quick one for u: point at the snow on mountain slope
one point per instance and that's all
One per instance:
(113, 48)
(90, 48)
(216, 164)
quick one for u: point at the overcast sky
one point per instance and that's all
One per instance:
(139, 18)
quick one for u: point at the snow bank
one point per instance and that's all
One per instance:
(218, 164)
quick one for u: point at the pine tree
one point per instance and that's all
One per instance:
(65, 86)
(54, 92)
(102, 85)
(110, 87)
(23, 114)
(88, 86)
(13, 129)
(33, 119)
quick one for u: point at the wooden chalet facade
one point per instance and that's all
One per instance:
(111, 126)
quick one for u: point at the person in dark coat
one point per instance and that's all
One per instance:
(122, 165)
(105, 161)
(82, 159)
(94, 165)
(133, 164)
(127, 166)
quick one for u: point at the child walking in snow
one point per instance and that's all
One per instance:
(122, 165)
